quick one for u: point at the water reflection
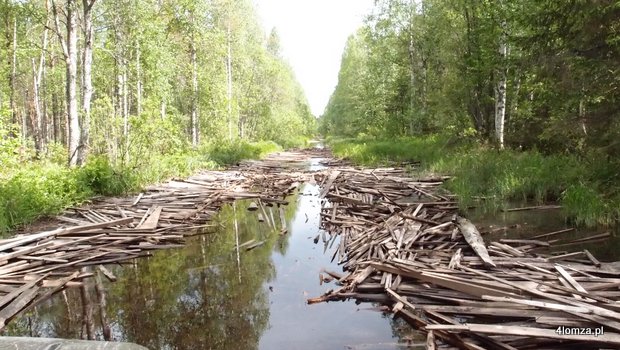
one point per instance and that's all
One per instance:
(200, 297)
(191, 298)
(528, 223)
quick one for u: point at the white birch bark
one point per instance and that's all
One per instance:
(500, 90)
(87, 84)
(69, 48)
(229, 90)
(194, 113)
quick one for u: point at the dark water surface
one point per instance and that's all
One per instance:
(528, 223)
(206, 296)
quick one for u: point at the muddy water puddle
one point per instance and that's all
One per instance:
(527, 223)
(211, 295)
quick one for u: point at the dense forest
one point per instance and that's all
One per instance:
(132, 92)
(539, 77)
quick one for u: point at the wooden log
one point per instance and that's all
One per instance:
(550, 234)
(473, 238)
(537, 207)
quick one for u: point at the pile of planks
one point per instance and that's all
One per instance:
(34, 266)
(402, 243)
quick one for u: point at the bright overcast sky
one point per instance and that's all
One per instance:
(313, 34)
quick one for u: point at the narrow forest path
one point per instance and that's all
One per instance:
(400, 240)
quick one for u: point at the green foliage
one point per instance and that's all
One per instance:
(147, 86)
(100, 177)
(497, 177)
(418, 68)
(427, 67)
(38, 190)
(225, 153)
(45, 188)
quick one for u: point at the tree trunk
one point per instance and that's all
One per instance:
(194, 113)
(162, 110)
(56, 118)
(412, 83)
(500, 91)
(37, 76)
(139, 78)
(229, 90)
(71, 61)
(120, 93)
(87, 83)
(12, 75)
(582, 116)
(69, 48)
(37, 122)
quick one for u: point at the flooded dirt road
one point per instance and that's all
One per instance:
(244, 282)
(205, 296)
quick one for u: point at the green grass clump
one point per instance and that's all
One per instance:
(227, 152)
(586, 186)
(38, 190)
(46, 187)
(371, 152)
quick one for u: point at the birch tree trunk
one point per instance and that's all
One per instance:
(500, 90)
(229, 90)
(121, 105)
(139, 80)
(194, 113)
(38, 143)
(69, 48)
(412, 86)
(37, 77)
(12, 75)
(87, 83)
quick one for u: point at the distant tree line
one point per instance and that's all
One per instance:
(539, 74)
(121, 77)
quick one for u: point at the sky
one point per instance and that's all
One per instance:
(313, 34)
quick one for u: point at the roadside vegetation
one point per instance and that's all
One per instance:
(518, 100)
(46, 186)
(586, 187)
(105, 97)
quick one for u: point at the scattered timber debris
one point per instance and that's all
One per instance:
(34, 266)
(402, 244)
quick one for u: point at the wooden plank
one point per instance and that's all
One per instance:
(107, 273)
(570, 279)
(605, 338)
(12, 295)
(333, 175)
(473, 238)
(153, 219)
(17, 305)
(538, 207)
(554, 233)
(540, 304)
(592, 258)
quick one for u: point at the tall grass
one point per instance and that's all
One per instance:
(586, 186)
(40, 188)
